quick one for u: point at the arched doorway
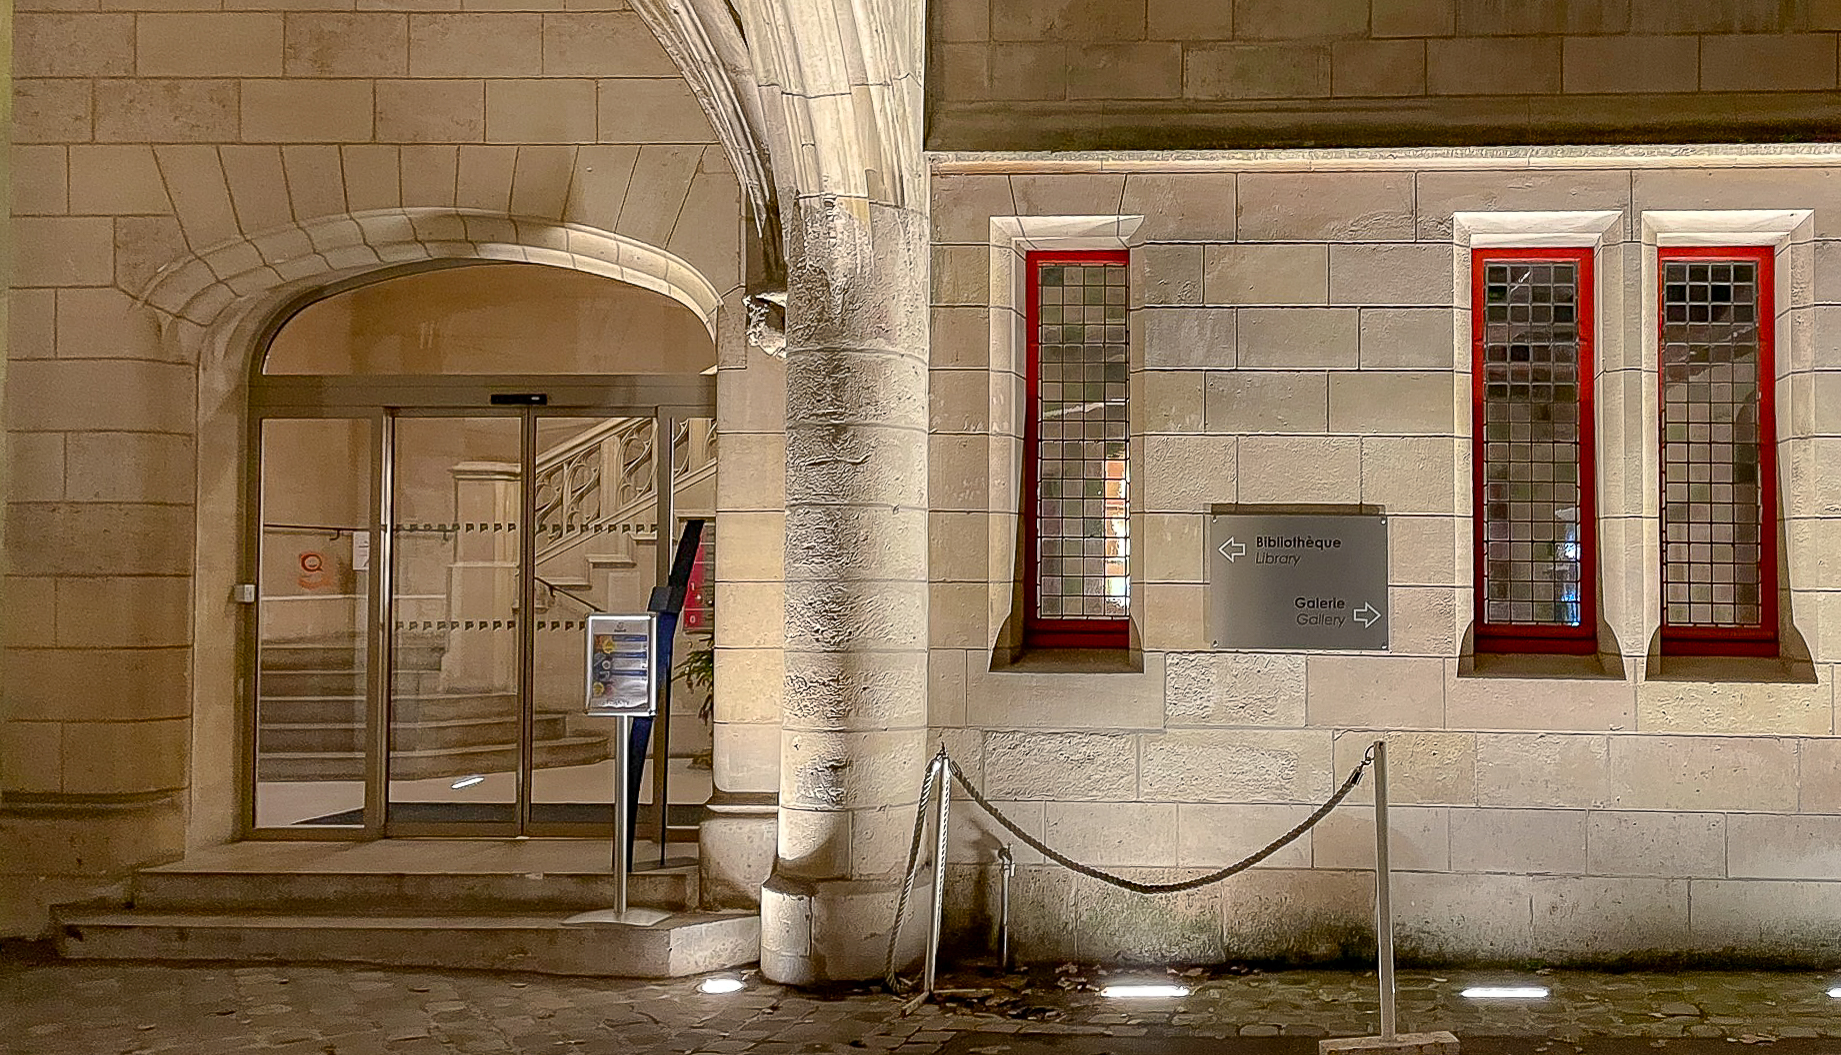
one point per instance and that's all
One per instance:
(454, 466)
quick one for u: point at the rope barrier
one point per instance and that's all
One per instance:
(944, 760)
(907, 883)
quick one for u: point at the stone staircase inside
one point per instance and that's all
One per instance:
(508, 905)
(311, 719)
(596, 530)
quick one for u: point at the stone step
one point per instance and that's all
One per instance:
(336, 656)
(185, 889)
(423, 765)
(683, 944)
(343, 682)
(407, 709)
(297, 737)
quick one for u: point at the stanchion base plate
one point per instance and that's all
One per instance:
(632, 917)
(1439, 1043)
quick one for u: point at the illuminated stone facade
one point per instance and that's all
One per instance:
(1300, 337)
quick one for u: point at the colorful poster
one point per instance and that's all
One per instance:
(622, 665)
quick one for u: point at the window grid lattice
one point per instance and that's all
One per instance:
(1712, 505)
(1532, 569)
(1082, 539)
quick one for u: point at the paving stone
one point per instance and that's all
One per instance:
(58, 1008)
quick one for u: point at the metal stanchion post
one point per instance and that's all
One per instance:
(1383, 893)
(944, 779)
(1008, 862)
(623, 739)
(1390, 1041)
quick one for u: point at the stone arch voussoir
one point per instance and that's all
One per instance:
(203, 291)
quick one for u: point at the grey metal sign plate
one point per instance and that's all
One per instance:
(1297, 581)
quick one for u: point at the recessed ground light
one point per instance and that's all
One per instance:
(1505, 992)
(1835, 992)
(467, 782)
(1129, 991)
(719, 986)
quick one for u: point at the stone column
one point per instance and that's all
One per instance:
(483, 588)
(854, 723)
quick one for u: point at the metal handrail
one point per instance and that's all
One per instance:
(624, 512)
(334, 529)
(563, 591)
(592, 436)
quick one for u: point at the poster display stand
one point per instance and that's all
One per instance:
(623, 684)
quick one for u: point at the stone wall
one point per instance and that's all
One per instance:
(1139, 74)
(230, 144)
(1300, 335)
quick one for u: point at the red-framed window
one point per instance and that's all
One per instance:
(1535, 514)
(1718, 444)
(1076, 487)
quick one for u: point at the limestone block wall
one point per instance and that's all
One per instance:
(1300, 335)
(1141, 74)
(738, 836)
(151, 136)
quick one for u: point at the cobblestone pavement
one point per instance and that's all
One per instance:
(49, 1007)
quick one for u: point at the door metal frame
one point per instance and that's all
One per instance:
(383, 614)
(382, 400)
(250, 628)
(527, 617)
(665, 426)
(610, 395)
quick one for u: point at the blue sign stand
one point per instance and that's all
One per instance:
(668, 602)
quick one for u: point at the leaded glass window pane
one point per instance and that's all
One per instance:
(1082, 540)
(1532, 560)
(1712, 481)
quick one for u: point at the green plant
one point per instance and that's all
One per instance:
(698, 670)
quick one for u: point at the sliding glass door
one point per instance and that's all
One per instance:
(421, 579)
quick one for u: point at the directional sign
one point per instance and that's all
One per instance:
(1298, 581)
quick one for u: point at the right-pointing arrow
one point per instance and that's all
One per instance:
(1367, 615)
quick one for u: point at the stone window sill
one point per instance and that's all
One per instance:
(1070, 661)
(1760, 670)
(1541, 666)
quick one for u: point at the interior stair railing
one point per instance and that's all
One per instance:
(608, 473)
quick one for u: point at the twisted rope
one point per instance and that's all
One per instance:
(907, 884)
(958, 775)
(1355, 777)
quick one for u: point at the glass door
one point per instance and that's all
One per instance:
(312, 722)
(457, 735)
(589, 475)
(423, 576)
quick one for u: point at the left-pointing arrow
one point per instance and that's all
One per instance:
(1231, 549)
